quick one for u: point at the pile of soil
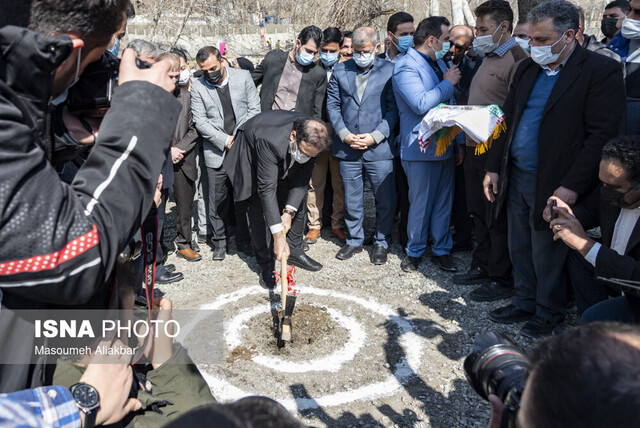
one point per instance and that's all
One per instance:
(241, 353)
(315, 334)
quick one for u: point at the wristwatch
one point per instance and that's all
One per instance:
(88, 401)
(288, 211)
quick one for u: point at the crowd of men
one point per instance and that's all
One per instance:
(265, 146)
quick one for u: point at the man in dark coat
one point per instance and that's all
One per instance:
(564, 104)
(270, 165)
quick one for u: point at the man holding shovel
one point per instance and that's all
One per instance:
(270, 165)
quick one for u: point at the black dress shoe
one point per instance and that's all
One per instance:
(491, 292)
(169, 268)
(473, 276)
(168, 278)
(539, 327)
(267, 279)
(410, 264)
(305, 262)
(305, 246)
(509, 314)
(194, 246)
(445, 263)
(347, 252)
(218, 253)
(462, 246)
(379, 255)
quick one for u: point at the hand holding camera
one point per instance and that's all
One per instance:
(158, 74)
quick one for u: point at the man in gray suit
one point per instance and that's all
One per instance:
(222, 100)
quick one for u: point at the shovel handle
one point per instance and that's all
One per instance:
(284, 279)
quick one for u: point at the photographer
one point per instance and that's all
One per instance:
(585, 378)
(59, 243)
(615, 207)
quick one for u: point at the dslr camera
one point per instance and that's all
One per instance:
(498, 366)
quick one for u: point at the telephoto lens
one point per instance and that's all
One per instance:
(498, 366)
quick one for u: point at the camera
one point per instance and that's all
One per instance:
(91, 95)
(498, 366)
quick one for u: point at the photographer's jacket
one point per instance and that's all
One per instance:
(59, 242)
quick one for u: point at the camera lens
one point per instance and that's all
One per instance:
(496, 365)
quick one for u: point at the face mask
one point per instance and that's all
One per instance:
(442, 52)
(184, 77)
(404, 43)
(364, 60)
(615, 198)
(63, 96)
(116, 47)
(328, 59)
(630, 29)
(543, 54)
(486, 43)
(213, 76)
(524, 44)
(297, 155)
(608, 27)
(304, 58)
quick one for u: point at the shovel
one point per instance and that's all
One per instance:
(288, 303)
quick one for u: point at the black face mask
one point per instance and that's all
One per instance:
(213, 76)
(608, 27)
(616, 198)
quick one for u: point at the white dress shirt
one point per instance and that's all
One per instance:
(621, 233)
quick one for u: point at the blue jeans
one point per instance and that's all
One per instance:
(538, 260)
(383, 184)
(431, 185)
(615, 309)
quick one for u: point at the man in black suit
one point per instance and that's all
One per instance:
(291, 80)
(564, 104)
(270, 165)
(614, 207)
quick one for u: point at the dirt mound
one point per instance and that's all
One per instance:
(241, 353)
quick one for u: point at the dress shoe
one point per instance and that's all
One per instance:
(473, 276)
(445, 263)
(462, 246)
(379, 255)
(410, 264)
(246, 249)
(509, 314)
(189, 255)
(491, 292)
(347, 252)
(312, 236)
(194, 246)
(168, 278)
(339, 233)
(305, 246)
(305, 262)
(170, 268)
(538, 327)
(267, 279)
(218, 253)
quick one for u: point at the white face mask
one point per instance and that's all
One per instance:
(63, 96)
(524, 44)
(364, 60)
(296, 154)
(185, 75)
(543, 54)
(630, 29)
(486, 43)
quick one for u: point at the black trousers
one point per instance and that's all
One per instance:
(492, 252)
(586, 289)
(261, 238)
(160, 234)
(183, 192)
(462, 221)
(402, 188)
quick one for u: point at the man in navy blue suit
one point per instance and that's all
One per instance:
(421, 81)
(362, 110)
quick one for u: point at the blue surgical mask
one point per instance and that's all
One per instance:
(442, 52)
(304, 58)
(329, 58)
(116, 47)
(404, 43)
(364, 60)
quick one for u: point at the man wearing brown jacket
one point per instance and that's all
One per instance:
(490, 265)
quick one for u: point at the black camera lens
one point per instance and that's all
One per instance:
(496, 365)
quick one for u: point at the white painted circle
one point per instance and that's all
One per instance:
(330, 363)
(223, 390)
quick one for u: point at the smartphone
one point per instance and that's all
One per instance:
(554, 214)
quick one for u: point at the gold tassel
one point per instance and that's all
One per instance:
(497, 131)
(443, 143)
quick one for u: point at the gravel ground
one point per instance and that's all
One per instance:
(429, 312)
